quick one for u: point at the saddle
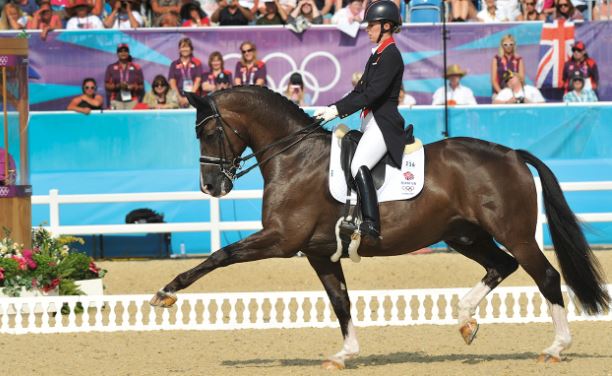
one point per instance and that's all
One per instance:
(349, 145)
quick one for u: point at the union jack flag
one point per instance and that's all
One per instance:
(555, 49)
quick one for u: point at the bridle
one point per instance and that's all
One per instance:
(228, 167)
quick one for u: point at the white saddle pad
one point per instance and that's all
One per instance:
(399, 184)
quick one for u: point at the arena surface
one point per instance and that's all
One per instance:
(499, 349)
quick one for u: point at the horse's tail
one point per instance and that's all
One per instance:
(580, 268)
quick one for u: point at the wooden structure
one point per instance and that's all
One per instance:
(15, 194)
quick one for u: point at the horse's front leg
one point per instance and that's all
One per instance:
(332, 277)
(261, 245)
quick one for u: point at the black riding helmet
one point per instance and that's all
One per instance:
(383, 11)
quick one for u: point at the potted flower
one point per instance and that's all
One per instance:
(49, 268)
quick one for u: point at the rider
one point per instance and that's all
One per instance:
(376, 94)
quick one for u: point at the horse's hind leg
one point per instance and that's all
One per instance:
(480, 247)
(332, 277)
(534, 262)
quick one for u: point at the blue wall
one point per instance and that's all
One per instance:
(152, 151)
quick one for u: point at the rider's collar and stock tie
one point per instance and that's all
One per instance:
(238, 161)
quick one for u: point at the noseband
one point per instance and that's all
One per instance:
(228, 167)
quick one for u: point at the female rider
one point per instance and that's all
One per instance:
(376, 94)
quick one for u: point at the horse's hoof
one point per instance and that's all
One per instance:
(332, 364)
(547, 358)
(468, 331)
(163, 299)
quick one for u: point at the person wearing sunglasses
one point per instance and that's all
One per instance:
(161, 96)
(565, 10)
(506, 60)
(89, 100)
(530, 12)
(581, 61)
(249, 70)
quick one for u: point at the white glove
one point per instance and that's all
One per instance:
(327, 113)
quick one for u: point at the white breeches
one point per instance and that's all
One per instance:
(371, 147)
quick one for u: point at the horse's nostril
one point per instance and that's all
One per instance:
(207, 188)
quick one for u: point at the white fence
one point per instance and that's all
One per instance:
(215, 226)
(267, 310)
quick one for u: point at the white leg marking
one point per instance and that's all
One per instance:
(563, 338)
(468, 304)
(350, 349)
(336, 256)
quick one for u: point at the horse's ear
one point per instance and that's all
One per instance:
(195, 100)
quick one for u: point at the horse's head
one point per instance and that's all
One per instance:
(221, 144)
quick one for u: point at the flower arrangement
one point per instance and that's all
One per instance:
(50, 264)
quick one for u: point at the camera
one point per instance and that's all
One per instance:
(519, 99)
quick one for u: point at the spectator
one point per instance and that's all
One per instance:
(29, 7)
(89, 100)
(304, 15)
(249, 70)
(228, 14)
(602, 11)
(169, 19)
(124, 81)
(564, 10)
(13, 18)
(274, 14)
(325, 9)
(352, 13)
(81, 16)
(489, 13)
(223, 82)
(456, 94)
(295, 91)
(578, 92)
(45, 20)
(160, 8)
(161, 96)
(405, 99)
(508, 10)
(217, 67)
(516, 92)
(581, 61)
(530, 13)
(193, 15)
(461, 10)
(506, 60)
(185, 74)
(125, 15)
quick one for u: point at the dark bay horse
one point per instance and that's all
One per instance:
(477, 195)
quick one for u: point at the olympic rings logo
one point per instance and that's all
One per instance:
(3, 61)
(4, 191)
(311, 82)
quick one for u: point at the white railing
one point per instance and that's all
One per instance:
(215, 226)
(583, 217)
(267, 310)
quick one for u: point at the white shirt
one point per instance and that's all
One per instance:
(89, 22)
(485, 16)
(344, 15)
(530, 93)
(508, 10)
(124, 22)
(408, 100)
(462, 95)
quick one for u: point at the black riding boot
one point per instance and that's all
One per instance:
(369, 203)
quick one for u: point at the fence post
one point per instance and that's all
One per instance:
(539, 233)
(215, 220)
(54, 217)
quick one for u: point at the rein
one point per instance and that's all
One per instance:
(238, 161)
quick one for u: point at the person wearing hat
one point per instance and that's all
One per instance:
(580, 61)
(125, 15)
(578, 92)
(295, 91)
(456, 94)
(193, 15)
(223, 81)
(124, 81)
(45, 20)
(376, 95)
(81, 17)
(516, 92)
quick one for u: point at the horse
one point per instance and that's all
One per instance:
(478, 197)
